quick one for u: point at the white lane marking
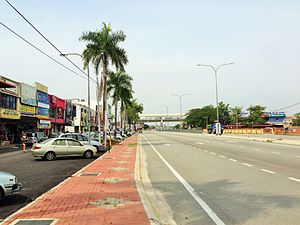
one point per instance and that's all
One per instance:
(190, 189)
(222, 156)
(268, 171)
(199, 143)
(246, 164)
(294, 179)
(213, 153)
(277, 153)
(234, 160)
(167, 144)
(205, 150)
(298, 156)
(231, 141)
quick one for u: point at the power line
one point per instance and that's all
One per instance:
(46, 38)
(288, 106)
(41, 51)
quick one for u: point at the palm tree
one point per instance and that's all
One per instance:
(119, 84)
(102, 49)
(133, 111)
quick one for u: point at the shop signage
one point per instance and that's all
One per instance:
(43, 105)
(28, 94)
(42, 97)
(41, 87)
(42, 113)
(275, 114)
(10, 114)
(25, 109)
(44, 124)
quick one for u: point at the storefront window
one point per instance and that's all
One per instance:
(7, 101)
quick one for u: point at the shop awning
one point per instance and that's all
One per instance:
(3, 84)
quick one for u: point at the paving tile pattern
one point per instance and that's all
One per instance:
(77, 200)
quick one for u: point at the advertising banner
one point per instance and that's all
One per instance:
(41, 87)
(28, 94)
(9, 114)
(27, 110)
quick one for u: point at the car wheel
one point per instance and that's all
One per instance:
(88, 154)
(50, 156)
(1, 194)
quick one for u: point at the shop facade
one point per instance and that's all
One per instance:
(57, 114)
(9, 111)
(42, 110)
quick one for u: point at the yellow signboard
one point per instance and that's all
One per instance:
(41, 87)
(10, 114)
(27, 109)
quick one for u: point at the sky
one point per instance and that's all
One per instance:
(165, 40)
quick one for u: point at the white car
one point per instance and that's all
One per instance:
(84, 139)
(8, 184)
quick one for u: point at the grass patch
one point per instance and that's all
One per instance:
(132, 145)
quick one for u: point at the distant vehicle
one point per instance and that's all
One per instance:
(212, 128)
(56, 147)
(84, 139)
(8, 184)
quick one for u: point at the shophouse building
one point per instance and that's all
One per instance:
(57, 114)
(42, 110)
(9, 111)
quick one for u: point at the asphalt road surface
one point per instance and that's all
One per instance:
(36, 175)
(213, 180)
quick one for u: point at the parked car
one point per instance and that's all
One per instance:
(8, 184)
(56, 147)
(84, 139)
(41, 136)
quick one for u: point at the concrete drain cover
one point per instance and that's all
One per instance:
(89, 174)
(125, 156)
(122, 162)
(107, 158)
(113, 180)
(34, 222)
(118, 169)
(109, 202)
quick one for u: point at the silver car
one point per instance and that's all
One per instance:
(84, 139)
(56, 147)
(8, 184)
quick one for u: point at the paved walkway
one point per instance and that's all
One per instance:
(104, 192)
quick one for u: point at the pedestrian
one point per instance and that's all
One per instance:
(24, 140)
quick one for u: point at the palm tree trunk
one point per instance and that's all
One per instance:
(104, 103)
(116, 116)
(122, 115)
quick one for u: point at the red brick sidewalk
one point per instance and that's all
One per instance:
(110, 197)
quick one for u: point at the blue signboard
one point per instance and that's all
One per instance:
(42, 97)
(42, 111)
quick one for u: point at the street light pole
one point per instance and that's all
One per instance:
(167, 108)
(89, 95)
(218, 127)
(180, 102)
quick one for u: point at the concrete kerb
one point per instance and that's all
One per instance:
(153, 202)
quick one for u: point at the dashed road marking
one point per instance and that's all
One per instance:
(298, 156)
(246, 164)
(205, 150)
(231, 141)
(222, 156)
(199, 143)
(268, 171)
(277, 153)
(213, 153)
(234, 160)
(294, 179)
(167, 144)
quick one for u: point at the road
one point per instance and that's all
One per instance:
(36, 175)
(213, 180)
